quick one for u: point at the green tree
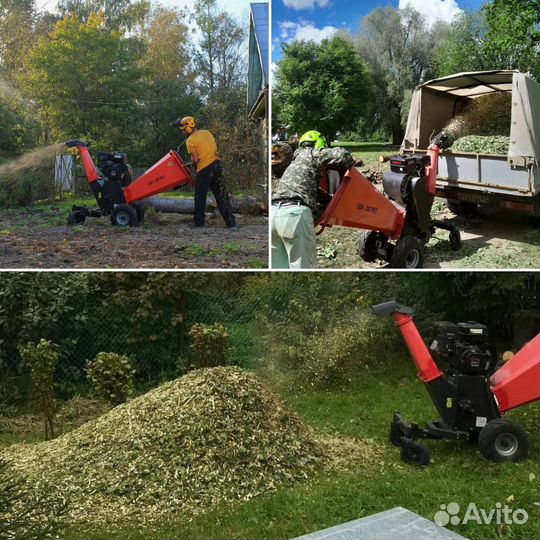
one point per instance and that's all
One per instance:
(86, 82)
(398, 47)
(321, 86)
(504, 34)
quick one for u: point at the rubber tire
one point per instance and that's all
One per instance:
(126, 213)
(404, 248)
(487, 441)
(366, 249)
(462, 208)
(415, 454)
(75, 218)
(140, 214)
(395, 436)
(455, 240)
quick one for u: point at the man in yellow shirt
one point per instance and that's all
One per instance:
(203, 149)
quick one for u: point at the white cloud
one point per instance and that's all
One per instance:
(304, 31)
(434, 10)
(306, 4)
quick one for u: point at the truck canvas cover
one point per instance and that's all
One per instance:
(436, 102)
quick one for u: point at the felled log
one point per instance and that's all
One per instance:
(169, 205)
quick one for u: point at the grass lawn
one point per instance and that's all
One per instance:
(363, 409)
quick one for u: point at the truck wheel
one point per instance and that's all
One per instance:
(503, 440)
(139, 210)
(415, 454)
(408, 253)
(455, 240)
(462, 208)
(367, 248)
(124, 216)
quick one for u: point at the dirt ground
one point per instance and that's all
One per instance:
(492, 238)
(38, 238)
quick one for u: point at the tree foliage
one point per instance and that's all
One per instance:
(321, 86)
(86, 81)
(398, 46)
(504, 34)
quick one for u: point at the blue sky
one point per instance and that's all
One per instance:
(316, 19)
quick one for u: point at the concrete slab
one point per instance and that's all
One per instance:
(396, 524)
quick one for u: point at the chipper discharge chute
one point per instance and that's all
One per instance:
(395, 225)
(116, 194)
(472, 394)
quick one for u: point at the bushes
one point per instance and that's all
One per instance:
(210, 345)
(41, 360)
(112, 376)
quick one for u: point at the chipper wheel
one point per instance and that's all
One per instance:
(503, 440)
(455, 239)
(75, 218)
(395, 436)
(124, 215)
(367, 248)
(415, 454)
(408, 253)
(140, 214)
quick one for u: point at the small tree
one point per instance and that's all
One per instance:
(111, 375)
(210, 345)
(41, 360)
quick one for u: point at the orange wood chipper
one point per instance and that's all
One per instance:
(395, 224)
(112, 186)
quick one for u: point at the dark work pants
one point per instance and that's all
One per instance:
(210, 178)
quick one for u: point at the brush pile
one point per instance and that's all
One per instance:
(484, 126)
(215, 435)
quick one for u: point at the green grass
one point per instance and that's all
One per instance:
(364, 409)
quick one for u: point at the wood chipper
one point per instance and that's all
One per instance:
(395, 224)
(472, 394)
(116, 194)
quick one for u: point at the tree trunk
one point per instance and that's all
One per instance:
(241, 205)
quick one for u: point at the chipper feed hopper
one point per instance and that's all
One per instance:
(395, 225)
(116, 194)
(472, 394)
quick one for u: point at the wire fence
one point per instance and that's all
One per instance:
(157, 347)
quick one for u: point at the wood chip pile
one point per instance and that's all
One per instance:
(215, 435)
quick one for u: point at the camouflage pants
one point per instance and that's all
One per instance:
(293, 237)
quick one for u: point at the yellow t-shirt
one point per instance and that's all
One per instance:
(203, 142)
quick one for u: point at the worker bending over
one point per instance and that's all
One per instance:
(296, 199)
(203, 149)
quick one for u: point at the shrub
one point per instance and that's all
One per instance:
(41, 360)
(111, 375)
(210, 345)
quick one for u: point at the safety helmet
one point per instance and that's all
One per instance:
(187, 124)
(314, 139)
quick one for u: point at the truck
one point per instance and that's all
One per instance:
(468, 180)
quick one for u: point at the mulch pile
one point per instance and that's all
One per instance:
(215, 435)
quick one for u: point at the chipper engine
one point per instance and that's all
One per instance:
(115, 192)
(472, 394)
(397, 224)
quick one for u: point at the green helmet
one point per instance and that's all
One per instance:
(313, 138)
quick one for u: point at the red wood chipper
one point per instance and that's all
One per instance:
(116, 194)
(396, 226)
(472, 394)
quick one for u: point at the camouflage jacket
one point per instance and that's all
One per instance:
(301, 178)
